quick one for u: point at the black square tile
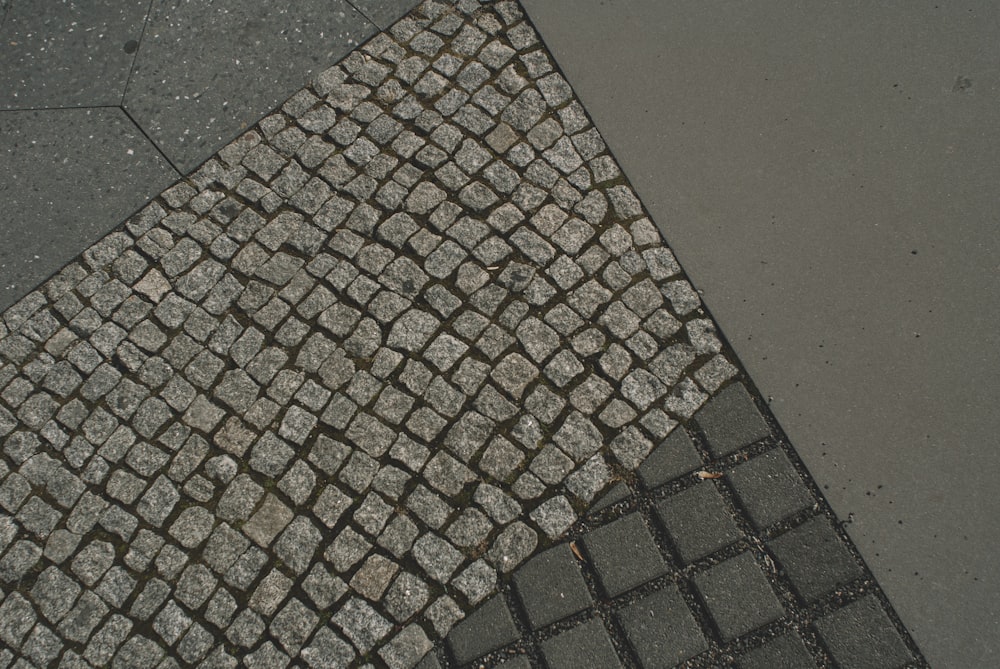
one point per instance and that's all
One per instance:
(738, 596)
(769, 488)
(551, 587)
(661, 629)
(624, 554)
(429, 662)
(674, 457)
(861, 636)
(731, 421)
(587, 644)
(815, 558)
(783, 652)
(488, 628)
(612, 496)
(698, 521)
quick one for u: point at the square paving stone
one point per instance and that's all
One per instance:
(551, 587)
(54, 593)
(488, 628)
(270, 519)
(16, 619)
(769, 488)
(624, 554)
(814, 558)
(584, 645)
(860, 636)
(406, 648)
(362, 624)
(175, 94)
(80, 622)
(195, 586)
(661, 629)
(783, 652)
(293, 625)
(42, 645)
(674, 457)
(738, 596)
(139, 651)
(731, 421)
(698, 521)
(618, 492)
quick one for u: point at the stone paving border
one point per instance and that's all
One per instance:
(311, 402)
(717, 551)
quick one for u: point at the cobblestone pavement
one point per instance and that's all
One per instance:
(318, 401)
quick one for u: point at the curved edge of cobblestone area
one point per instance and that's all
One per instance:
(314, 399)
(719, 550)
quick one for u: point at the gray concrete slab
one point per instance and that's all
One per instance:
(67, 54)
(384, 13)
(67, 177)
(827, 177)
(206, 72)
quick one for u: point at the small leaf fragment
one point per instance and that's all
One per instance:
(576, 551)
(709, 475)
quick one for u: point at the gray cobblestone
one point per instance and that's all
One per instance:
(361, 624)
(81, 620)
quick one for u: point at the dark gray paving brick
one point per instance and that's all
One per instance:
(784, 652)
(731, 421)
(738, 596)
(551, 587)
(814, 558)
(860, 636)
(769, 488)
(624, 555)
(661, 630)
(674, 457)
(618, 492)
(489, 628)
(587, 644)
(698, 521)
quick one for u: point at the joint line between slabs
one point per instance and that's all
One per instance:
(135, 57)
(153, 143)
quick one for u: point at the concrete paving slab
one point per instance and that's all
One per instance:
(59, 54)
(191, 106)
(67, 177)
(384, 13)
(826, 176)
